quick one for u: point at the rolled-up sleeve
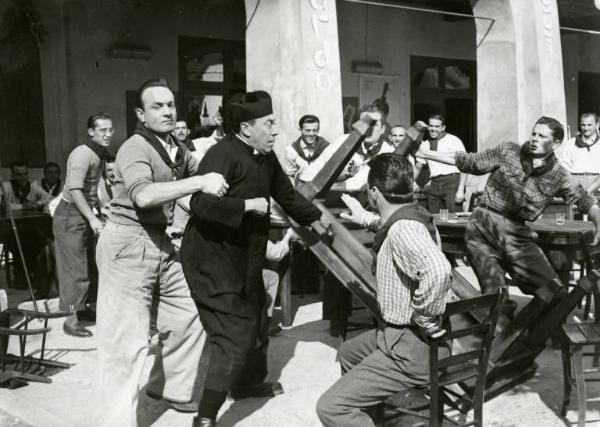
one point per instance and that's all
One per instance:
(135, 168)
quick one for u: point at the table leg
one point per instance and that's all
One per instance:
(285, 296)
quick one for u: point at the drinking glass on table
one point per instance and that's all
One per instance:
(443, 214)
(560, 218)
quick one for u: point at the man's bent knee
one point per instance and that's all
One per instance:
(326, 409)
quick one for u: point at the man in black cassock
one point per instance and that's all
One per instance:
(223, 252)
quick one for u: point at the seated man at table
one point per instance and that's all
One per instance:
(413, 283)
(22, 194)
(523, 180)
(51, 182)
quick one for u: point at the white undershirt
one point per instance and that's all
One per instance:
(171, 148)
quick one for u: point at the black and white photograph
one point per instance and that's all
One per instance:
(299, 213)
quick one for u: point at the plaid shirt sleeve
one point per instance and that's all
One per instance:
(575, 194)
(480, 163)
(423, 261)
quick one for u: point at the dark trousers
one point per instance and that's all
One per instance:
(375, 365)
(497, 245)
(238, 348)
(335, 296)
(442, 193)
(75, 260)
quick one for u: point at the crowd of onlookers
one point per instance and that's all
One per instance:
(121, 228)
(302, 159)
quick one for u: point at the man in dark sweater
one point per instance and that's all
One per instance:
(223, 253)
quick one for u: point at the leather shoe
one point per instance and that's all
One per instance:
(265, 389)
(76, 330)
(87, 315)
(204, 422)
(185, 407)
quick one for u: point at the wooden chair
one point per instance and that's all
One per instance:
(27, 368)
(578, 337)
(466, 370)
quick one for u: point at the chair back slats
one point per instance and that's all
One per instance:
(459, 358)
(469, 304)
(465, 332)
(485, 330)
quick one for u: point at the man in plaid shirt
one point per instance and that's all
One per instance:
(523, 180)
(413, 281)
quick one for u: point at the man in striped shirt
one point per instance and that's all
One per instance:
(413, 282)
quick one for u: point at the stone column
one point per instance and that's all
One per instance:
(519, 68)
(292, 52)
(60, 109)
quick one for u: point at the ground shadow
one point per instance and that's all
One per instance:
(282, 349)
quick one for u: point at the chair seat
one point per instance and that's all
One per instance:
(582, 333)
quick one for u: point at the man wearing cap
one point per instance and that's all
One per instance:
(223, 253)
(139, 268)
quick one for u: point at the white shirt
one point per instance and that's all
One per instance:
(294, 165)
(579, 159)
(448, 144)
(202, 145)
(171, 148)
(358, 181)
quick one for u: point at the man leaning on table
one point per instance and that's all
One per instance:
(523, 180)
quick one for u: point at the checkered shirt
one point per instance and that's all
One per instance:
(413, 275)
(514, 191)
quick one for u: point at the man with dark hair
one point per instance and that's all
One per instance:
(446, 189)
(303, 152)
(75, 224)
(51, 182)
(19, 194)
(223, 253)
(139, 268)
(581, 154)
(181, 133)
(413, 284)
(523, 180)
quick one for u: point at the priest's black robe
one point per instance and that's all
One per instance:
(223, 252)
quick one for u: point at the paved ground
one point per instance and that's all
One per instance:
(302, 358)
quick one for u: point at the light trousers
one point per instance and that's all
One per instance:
(139, 272)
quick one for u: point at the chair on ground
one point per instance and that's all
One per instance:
(26, 368)
(458, 380)
(579, 336)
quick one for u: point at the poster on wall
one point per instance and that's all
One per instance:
(372, 87)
